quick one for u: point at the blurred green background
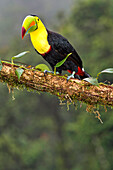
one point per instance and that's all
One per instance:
(36, 132)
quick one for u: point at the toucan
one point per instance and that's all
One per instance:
(53, 47)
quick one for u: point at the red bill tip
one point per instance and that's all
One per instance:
(23, 32)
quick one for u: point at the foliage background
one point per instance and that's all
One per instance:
(36, 133)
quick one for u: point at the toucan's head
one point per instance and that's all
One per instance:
(30, 24)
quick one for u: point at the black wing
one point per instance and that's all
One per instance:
(62, 46)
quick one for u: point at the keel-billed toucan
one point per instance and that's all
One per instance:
(53, 47)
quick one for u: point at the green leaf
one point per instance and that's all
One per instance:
(19, 55)
(108, 70)
(19, 72)
(0, 62)
(1, 65)
(92, 80)
(62, 62)
(42, 67)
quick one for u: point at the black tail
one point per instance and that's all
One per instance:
(86, 75)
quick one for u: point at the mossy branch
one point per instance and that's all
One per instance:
(57, 85)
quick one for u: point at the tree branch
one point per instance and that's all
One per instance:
(55, 84)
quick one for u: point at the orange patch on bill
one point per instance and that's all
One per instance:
(32, 24)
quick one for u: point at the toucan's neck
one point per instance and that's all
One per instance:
(39, 39)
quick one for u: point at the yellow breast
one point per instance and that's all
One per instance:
(39, 40)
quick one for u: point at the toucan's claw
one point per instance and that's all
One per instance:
(71, 76)
(46, 71)
(77, 76)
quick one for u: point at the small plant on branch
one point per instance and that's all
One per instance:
(89, 91)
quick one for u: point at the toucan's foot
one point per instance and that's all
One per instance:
(77, 76)
(71, 76)
(56, 73)
(46, 71)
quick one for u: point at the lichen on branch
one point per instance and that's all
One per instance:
(72, 90)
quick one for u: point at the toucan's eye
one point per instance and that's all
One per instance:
(38, 19)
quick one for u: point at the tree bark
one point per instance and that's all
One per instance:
(72, 90)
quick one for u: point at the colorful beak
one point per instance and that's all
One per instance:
(23, 32)
(29, 25)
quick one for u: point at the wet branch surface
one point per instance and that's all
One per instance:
(57, 85)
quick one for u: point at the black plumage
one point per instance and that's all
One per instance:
(60, 48)
(53, 47)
